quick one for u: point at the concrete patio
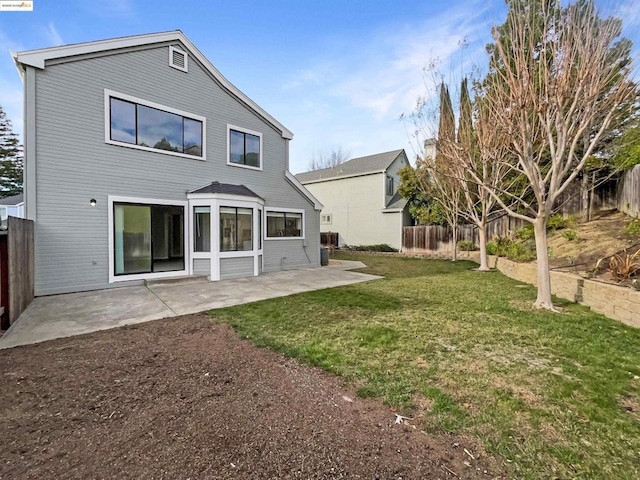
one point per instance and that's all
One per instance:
(78, 313)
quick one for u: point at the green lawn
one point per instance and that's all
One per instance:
(551, 395)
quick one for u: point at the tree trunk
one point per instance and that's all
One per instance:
(585, 197)
(482, 238)
(543, 300)
(592, 192)
(454, 255)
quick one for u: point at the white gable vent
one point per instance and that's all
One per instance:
(178, 59)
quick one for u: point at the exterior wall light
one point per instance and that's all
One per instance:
(92, 202)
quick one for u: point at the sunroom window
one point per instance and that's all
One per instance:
(236, 229)
(202, 229)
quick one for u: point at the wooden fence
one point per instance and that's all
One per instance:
(20, 254)
(328, 238)
(622, 193)
(429, 239)
(629, 192)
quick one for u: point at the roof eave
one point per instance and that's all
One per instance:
(38, 58)
(353, 175)
(302, 189)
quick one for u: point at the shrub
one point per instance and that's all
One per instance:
(570, 235)
(623, 265)
(466, 246)
(502, 242)
(381, 247)
(526, 232)
(632, 227)
(520, 252)
(558, 222)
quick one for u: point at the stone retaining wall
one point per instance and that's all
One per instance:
(614, 301)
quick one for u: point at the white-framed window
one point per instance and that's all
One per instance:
(202, 228)
(178, 59)
(146, 238)
(244, 148)
(136, 123)
(390, 186)
(236, 229)
(284, 223)
(325, 218)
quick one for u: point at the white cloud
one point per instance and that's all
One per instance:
(355, 93)
(53, 36)
(384, 74)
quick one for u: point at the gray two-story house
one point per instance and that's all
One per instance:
(142, 162)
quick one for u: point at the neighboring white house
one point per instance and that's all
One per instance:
(361, 199)
(11, 207)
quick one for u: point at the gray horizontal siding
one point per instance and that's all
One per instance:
(236, 267)
(74, 163)
(201, 266)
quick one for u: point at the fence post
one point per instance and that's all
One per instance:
(20, 250)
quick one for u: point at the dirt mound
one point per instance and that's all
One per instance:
(185, 398)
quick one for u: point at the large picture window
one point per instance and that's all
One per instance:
(244, 148)
(236, 229)
(151, 127)
(284, 224)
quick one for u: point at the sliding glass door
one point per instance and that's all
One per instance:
(148, 238)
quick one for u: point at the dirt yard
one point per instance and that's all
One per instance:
(183, 398)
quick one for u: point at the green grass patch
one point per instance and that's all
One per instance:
(557, 395)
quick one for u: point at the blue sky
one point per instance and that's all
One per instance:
(336, 73)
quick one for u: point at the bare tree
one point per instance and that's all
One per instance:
(476, 153)
(437, 174)
(335, 158)
(554, 72)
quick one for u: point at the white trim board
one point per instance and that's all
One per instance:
(303, 190)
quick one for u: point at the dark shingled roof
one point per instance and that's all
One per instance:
(397, 201)
(355, 166)
(14, 200)
(227, 188)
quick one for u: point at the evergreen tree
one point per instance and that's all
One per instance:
(11, 164)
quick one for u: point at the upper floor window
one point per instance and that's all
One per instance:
(325, 218)
(245, 148)
(149, 126)
(390, 190)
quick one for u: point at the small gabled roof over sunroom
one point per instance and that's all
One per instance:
(377, 163)
(225, 189)
(39, 58)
